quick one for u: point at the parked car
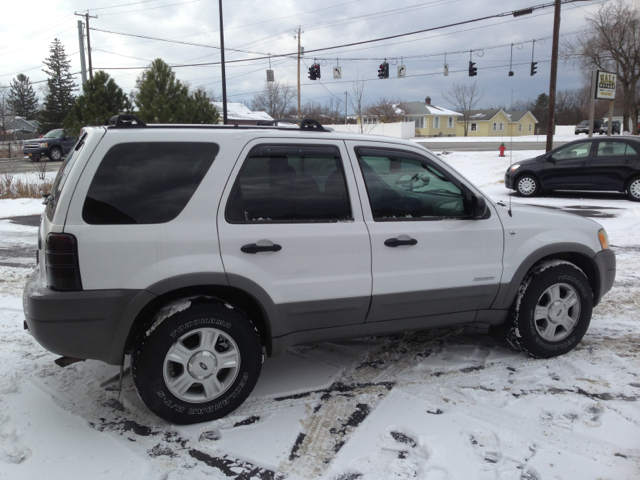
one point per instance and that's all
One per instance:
(54, 144)
(614, 129)
(589, 164)
(583, 126)
(198, 249)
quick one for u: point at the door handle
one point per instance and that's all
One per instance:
(255, 248)
(396, 242)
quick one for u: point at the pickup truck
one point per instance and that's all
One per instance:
(55, 144)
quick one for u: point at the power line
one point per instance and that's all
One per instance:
(150, 8)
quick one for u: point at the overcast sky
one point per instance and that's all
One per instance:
(263, 27)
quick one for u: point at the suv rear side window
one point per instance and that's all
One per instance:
(145, 183)
(289, 184)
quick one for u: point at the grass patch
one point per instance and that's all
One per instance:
(14, 185)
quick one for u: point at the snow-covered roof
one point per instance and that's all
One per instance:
(421, 108)
(239, 111)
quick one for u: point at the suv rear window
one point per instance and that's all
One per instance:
(146, 182)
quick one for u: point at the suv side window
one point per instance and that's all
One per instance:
(146, 182)
(290, 184)
(405, 186)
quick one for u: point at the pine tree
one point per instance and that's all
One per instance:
(201, 110)
(22, 98)
(160, 97)
(101, 99)
(60, 98)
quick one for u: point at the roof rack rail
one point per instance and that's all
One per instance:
(305, 124)
(125, 121)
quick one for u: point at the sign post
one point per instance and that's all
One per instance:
(606, 90)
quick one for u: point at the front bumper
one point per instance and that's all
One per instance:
(90, 324)
(507, 180)
(36, 152)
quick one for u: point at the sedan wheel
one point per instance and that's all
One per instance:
(527, 186)
(633, 190)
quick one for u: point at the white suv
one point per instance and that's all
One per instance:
(197, 248)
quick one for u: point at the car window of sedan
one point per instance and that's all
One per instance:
(576, 150)
(615, 149)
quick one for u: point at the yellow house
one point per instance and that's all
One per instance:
(430, 120)
(498, 123)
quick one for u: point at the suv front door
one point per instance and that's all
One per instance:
(291, 228)
(429, 257)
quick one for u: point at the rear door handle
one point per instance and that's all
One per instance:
(255, 248)
(396, 242)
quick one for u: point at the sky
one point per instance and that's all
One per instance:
(258, 28)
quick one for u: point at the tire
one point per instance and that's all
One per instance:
(633, 189)
(527, 186)
(176, 365)
(552, 311)
(55, 154)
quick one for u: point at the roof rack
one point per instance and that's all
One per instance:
(125, 121)
(306, 124)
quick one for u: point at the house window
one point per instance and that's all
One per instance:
(519, 127)
(495, 126)
(530, 127)
(450, 122)
(436, 122)
(421, 122)
(501, 126)
(474, 127)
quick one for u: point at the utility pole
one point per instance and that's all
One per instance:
(224, 77)
(86, 20)
(83, 66)
(345, 107)
(298, 71)
(554, 76)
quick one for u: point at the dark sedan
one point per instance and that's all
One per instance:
(590, 164)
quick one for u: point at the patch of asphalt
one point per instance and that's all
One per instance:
(29, 220)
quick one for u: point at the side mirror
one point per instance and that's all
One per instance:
(551, 159)
(478, 207)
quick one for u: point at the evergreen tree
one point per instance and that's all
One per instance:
(22, 98)
(160, 97)
(60, 85)
(201, 110)
(101, 99)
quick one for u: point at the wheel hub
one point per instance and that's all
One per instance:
(557, 312)
(202, 365)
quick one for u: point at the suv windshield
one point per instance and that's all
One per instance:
(59, 133)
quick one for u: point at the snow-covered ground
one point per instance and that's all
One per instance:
(441, 404)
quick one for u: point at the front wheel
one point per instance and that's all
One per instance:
(55, 154)
(633, 189)
(527, 186)
(552, 311)
(199, 364)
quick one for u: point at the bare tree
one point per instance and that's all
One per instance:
(464, 98)
(357, 100)
(276, 99)
(334, 110)
(5, 107)
(612, 43)
(387, 110)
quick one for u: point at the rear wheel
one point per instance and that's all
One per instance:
(633, 189)
(552, 311)
(197, 365)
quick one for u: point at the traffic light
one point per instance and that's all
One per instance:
(314, 71)
(383, 71)
(533, 68)
(473, 71)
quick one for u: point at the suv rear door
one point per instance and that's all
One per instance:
(291, 227)
(429, 258)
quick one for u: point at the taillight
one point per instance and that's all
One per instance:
(61, 260)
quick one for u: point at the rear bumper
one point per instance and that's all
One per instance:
(90, 324)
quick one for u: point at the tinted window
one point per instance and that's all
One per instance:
(61, 177)
(290, 184)
(403, 186)
(575, 150)
(614, 149)
(142, 183)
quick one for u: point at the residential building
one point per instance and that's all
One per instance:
(431, 120)
(20, 123)
(498, 123)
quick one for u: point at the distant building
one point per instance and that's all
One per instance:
(497, 123)
(430, 120)
(239, 114)
(20, 123)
